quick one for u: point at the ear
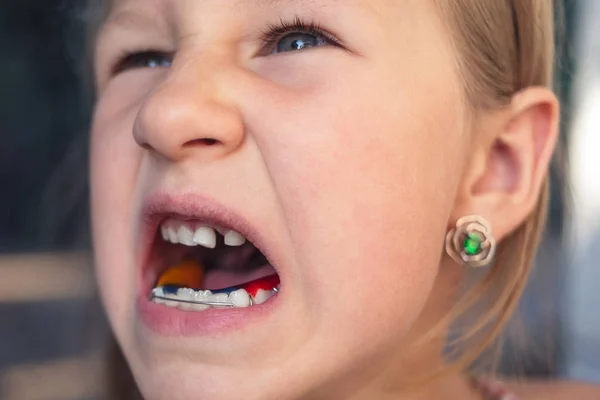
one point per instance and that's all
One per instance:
(504, 175)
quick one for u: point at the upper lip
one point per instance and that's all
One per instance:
(198, 207)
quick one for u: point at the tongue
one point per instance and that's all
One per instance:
(220, 278)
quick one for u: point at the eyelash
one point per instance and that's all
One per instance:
(270, 36)
(275, 32)
(138, 59)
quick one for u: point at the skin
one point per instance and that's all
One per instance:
(356, 160)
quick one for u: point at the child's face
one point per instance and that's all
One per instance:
(342, 161)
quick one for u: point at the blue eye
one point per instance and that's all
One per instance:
(143, 59)
(299, 41)
(294, 36)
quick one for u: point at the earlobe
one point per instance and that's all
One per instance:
(507, 175)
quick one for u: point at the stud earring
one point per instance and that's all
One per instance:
(471, 242)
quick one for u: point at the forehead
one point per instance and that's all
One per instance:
(116, 4)
(155, 14)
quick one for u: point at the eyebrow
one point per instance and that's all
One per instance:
(137, 19)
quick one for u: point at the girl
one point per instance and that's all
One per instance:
(286, 195)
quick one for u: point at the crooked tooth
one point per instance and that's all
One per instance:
(240, 298)
(262, 296)
(173, 238)
(233, 238)
(205, 236)
(186, 236)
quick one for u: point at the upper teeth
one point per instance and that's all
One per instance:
(202, 235)
(232, 238)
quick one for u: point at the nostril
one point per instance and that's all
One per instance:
(209, 142)
(201, 142)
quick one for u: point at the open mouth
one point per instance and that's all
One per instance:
(196, 266)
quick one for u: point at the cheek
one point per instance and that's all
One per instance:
(115, 161)
(367, 187)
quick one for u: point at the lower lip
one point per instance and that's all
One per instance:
(173, 322)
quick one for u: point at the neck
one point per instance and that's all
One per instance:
(455, 386)
(389, 386)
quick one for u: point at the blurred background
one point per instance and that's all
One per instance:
(52, 329)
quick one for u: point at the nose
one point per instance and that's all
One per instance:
(190, 114)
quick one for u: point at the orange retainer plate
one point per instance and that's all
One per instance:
(188, 273)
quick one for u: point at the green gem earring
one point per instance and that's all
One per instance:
(471, 243)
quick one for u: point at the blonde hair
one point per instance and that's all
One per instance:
(502, 47)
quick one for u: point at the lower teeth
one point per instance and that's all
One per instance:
(200, 300)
